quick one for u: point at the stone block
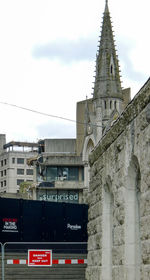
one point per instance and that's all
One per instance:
(96, 195)
(95, 258)
(96, 182)
(118, 255)
(145, 272)
(145, 252)
(118, 272)
(93, 273)
(91, 243)
(145, 204)
(145, 228)
(94, 226)
(95, 211)
(118, 235)
(94, 242)
(119, 196)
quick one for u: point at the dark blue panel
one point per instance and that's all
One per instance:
(9, 220)
(38, 221)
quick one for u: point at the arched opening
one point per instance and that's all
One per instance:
(132, 221)
(107, 234)
(111, 66)
(110, 104)
(88, 147)
(111, 69)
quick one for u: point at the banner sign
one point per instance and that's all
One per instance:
(39, 257)
(10, 225)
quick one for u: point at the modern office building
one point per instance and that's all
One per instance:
(59, 171)
(13, 164)
(52, 166)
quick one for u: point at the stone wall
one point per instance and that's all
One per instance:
(119, 197)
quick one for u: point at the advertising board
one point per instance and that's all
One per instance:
(42, 221)
(39, 257)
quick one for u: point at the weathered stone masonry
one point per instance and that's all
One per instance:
(119, 197)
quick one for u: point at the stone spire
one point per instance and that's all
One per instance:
(107, 80)
(106, 6)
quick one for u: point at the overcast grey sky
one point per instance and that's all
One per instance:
(47, 59)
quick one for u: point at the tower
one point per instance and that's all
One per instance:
(107, 96)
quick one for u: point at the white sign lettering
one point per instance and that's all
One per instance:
(73, 227)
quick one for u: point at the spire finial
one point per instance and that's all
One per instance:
(106, 6)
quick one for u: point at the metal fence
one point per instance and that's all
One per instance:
(69, 260)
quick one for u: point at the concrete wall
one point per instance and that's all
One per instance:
(83, 108)
(2, 142)
(119, 197)
(63, 159)
(126, 97)
(60, 145)
(80, 117)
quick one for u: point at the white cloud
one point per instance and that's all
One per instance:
(53, 86)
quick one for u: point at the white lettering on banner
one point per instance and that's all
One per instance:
(59, 197)
(35, 255)
(9, 225)
(39, 257)
(74, 227)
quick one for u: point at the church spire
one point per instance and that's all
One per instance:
(106, 6)
(107, 80)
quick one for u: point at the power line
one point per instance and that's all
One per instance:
(46, 114)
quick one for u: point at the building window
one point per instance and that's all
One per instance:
(13, 160)
(5, 161)
(5, 172)
(20, 160)
(115, 104)
(60, 173)
(110, 104)
(111, 69)
(1, 173)
(29, 171)
(4, 183)
(19, 181)
(1, 162)
(1, 184)
(105, 104)
(20, 171)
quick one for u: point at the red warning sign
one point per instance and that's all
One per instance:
(39, 257)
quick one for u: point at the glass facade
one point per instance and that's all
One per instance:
(20, 171)
(59, 173)
(29, 171)
(20, 160)
(19, 181)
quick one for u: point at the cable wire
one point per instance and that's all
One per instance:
(46, 114)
